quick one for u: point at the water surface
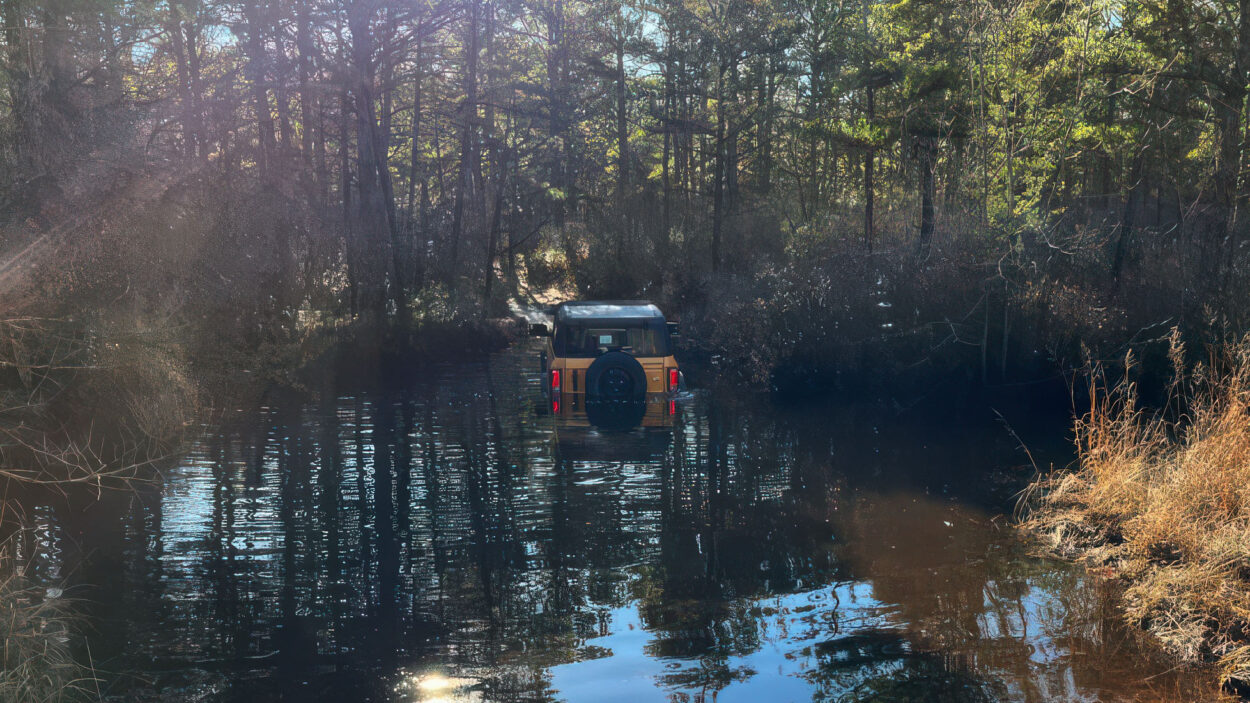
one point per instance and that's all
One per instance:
(428, 533)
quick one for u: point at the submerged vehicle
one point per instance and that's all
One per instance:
(610, 365)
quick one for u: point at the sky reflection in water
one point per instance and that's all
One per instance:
(434, 540)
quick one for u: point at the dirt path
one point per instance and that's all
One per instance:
(535, 300)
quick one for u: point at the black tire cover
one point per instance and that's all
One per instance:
(616, 376)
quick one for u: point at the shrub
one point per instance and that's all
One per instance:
(837, 315)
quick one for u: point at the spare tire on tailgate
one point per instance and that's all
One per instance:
(616, 392)
(616, 376)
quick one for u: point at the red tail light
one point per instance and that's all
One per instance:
(672, 379)
(555, 379)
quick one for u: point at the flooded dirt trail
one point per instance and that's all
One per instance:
(432, 534)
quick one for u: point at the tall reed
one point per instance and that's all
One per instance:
(1160, 499)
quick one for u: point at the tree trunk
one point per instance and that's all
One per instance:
(415, 163)
(869, 156)
(731, 145)
(256, 69)
(191, 31)
(468, 150)
(345, 165)
(558, 166)
(622, 128)
(954, 175)
(382, 137)
(492, 245)
(666, 223)
(766, 129)
(1230, 187)
(18, 74)
(307, 101)
(351, 251)
(1228, 114)
(493, 142)
(173, 27)
(810, 195)
(283, 103)
(718, 176)
(926, 149)
(372, 235)
(1129, 218)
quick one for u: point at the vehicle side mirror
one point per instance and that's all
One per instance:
(673, 329)
(539, 330)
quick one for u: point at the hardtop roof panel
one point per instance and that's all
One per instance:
(606, 310)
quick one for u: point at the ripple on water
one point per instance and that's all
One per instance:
(436, 538)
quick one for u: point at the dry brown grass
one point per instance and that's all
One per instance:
(101, 409)
(37, 664)
(1164, 505)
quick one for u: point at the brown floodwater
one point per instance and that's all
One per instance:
(433, 533)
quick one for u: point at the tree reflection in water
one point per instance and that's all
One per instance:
(432, 539)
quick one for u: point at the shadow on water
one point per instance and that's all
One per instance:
(440, 538)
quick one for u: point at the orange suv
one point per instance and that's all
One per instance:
(610, 358)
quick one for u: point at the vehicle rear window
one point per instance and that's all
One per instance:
(594, 337)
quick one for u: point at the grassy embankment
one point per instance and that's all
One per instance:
(1160, 501)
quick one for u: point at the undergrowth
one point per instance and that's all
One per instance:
(89, 405)
(1161, 500)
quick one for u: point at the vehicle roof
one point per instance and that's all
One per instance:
(607, 309)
